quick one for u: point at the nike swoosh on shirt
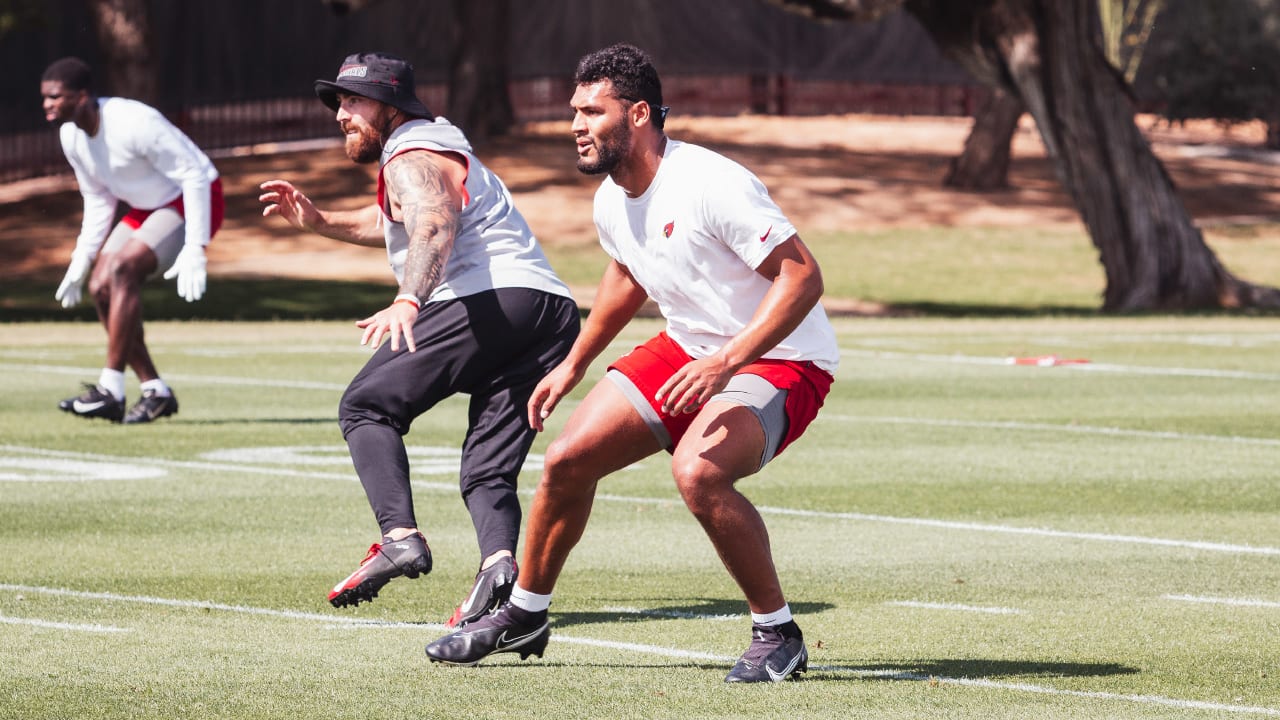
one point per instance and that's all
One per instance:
(765, 236)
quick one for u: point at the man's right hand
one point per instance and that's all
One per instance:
(68, 292)
(283, 199)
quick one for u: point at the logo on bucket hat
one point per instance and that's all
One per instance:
(377, 76)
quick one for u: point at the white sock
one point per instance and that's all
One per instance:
(113, 382)
(158, 386)
(780, 616)
(525, 600)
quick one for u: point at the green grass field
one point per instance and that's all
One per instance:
(960, 537)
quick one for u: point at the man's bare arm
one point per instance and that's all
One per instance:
(426, 193)
(358, 227)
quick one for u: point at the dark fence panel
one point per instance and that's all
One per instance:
(239, 72)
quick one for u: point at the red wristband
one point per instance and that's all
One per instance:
(407, 298)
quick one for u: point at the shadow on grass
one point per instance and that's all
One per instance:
(978, 669)
(267, 421)
(694, 610)
(31, 300)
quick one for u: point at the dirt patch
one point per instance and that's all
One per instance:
(827, 173)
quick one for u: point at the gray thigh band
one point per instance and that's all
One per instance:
(767, 402)
(642, 406)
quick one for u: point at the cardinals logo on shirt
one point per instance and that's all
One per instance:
(668, 229)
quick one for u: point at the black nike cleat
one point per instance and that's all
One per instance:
(94, 402)
(491, 589)
(508, 629)
(385, 561)
(776, 653)
(151, 407)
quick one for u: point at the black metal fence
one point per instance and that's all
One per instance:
(239, 72)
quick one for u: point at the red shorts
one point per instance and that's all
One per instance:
(217, 207)
(651, 364)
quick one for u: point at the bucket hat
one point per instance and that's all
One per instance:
(377, 76)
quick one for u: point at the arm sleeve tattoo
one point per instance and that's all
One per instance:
(430, 217)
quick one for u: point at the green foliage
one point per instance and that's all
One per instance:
(1126, 28)
(21, 15)
(1218, 60)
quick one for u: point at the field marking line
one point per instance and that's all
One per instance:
(1054, 427)
(1238, 602)
(676, 614)
(200, 605)
(960, 358)
(671, 652)
(49, 624)
(1033, 531)
(19, 368)
(214, 466)
(763, 509)
(955, 606)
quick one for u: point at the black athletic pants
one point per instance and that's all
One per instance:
(494, 346)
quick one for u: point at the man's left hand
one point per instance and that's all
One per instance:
(396, 319)
(189, 268)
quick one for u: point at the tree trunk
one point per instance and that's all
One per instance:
(984, 162)
(479, 99)
(124, 33)
(1046, 52)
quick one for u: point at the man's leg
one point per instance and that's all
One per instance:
(522, 334)
(374, 413)
(116, 286)
(131, 255)
(724, 444)
(603, 434)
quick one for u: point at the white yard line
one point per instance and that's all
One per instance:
(953, 606)
(962, 359)
(675, 614)
(675, 653)
(1052, 427)
(51, 625)
(1238, 602)
(19, 368)
(764, 509)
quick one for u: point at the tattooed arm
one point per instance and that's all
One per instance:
(425, 191)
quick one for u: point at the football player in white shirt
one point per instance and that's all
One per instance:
(744, 363)
(124, 150)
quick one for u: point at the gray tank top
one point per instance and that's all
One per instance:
(494, 248)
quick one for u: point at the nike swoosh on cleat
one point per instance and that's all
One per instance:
(84, 407)
(780, 676)
(502, 643)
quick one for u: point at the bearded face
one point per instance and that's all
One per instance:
(607, 147)
(365, 123)
(363, 143)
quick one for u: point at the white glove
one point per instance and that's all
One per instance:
(188, 267)
(68, 292)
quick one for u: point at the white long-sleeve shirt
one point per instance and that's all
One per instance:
(139, 157)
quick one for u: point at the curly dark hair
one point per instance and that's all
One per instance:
(72, 72)
(632, 73)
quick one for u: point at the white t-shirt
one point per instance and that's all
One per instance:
(139, 157)
(494, 247)
(693, 241)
